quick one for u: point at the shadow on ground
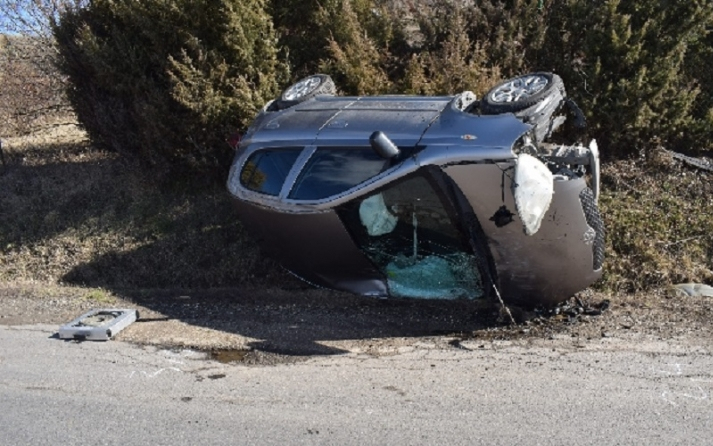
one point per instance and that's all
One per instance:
(85, 218)
(299, 321)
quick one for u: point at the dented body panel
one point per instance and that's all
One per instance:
(548, 266)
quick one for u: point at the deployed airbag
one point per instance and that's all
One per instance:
(375, 217)
(533, 189)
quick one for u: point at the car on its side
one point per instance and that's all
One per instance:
(440, 197)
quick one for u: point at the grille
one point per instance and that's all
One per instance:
(594, 220)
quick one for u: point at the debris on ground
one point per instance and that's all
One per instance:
(692, 290)
(98, 325)
(700, 163)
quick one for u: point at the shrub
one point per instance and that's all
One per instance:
(169, 80)
(435, 47)
(350, 39)
(458, 48)
(358, 61)
(624, 61)
(698, 66)
(657, 215)
(452, 65)
(638, 68)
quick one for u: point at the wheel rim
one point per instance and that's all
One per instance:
(519, 88)
(301, 88)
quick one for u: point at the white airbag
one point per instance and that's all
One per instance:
(375, 217)
(533, 188)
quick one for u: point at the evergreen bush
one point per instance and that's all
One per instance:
(471, 47)
(170, 80)
(350, 39)
(638, 68)
(625, 62)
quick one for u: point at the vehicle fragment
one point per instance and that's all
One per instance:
(693, 290)
(701, 163)
(425, 196)
(98, 324)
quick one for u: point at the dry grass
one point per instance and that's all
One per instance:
(72, 214)
(31, 90)
(659, 218)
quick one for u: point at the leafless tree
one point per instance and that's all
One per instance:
(34, 17)
(31, 88)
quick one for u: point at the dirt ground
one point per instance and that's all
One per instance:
(276, 325)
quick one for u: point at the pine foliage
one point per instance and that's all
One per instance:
(626, 62)
(169, 80)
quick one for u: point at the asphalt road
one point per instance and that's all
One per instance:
(476, 392)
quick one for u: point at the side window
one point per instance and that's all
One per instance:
(266, 170)
(331, 171)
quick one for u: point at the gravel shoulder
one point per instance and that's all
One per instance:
(276, 325)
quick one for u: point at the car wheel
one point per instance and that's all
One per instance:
(519, 93)
(304, 89)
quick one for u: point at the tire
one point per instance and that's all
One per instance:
(520, 93)
(304, 89)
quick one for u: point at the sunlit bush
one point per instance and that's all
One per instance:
(169, 80)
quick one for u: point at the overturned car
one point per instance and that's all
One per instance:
(428, 197)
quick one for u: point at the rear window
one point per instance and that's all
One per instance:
(266, 170)
(331, 171)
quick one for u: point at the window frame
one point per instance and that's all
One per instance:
(402, 167)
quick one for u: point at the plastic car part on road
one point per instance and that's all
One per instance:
(98, 325)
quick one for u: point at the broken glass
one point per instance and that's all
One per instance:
(407, 232)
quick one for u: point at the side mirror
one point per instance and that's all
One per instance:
(383, 146)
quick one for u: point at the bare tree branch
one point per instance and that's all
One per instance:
(34, 17)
